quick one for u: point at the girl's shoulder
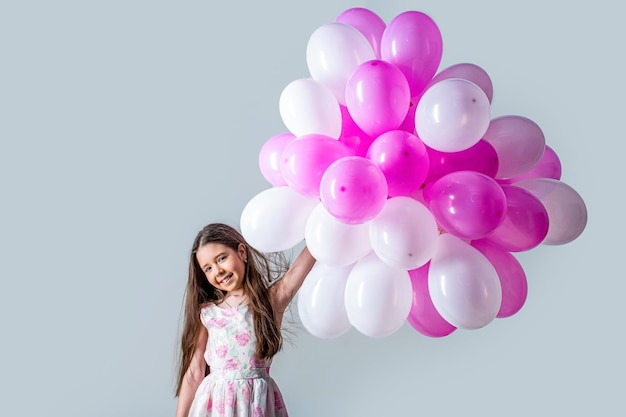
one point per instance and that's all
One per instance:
(207, 310)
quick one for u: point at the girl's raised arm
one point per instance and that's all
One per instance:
(193, 376)
(283, 291)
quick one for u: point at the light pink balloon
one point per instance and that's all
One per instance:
(469, 72)
(269, 158)
(463, 284)
(404, 234)
(403, 159)
(353, 189)
(352, 135)
(452, 115)
(305, 159)
(467, 204)
(526, 222)
(565, 207)
(333, 52)
(367, 22)
(423, 316)
(333, 242)
(377, 97)
(481, 158)
(412, 42)
(519, 143)
(511, 275)
(321, 305)
(549, 166)
(377, 297)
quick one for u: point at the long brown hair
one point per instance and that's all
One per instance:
(261, 270)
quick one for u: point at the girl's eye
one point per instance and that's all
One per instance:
(222, 258)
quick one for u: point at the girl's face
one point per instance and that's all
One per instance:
(224, 267)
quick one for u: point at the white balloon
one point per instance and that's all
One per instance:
(463, 285)
(333, 242)
(567, 212)
(378, 297)
(452, 115)
(333, 52)
(307, 107)
(321, 304)
(404, 234)
(274, 219)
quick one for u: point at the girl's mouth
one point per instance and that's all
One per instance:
(226, 279)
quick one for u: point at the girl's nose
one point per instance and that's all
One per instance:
(218, 271)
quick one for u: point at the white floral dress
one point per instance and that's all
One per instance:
(239, 384)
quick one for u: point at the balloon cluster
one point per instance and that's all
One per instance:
(408, 193)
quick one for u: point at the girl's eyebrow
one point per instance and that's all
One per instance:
(216, 257)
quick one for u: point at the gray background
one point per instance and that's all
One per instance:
(125, 126)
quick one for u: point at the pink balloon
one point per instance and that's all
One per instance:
(480, 158)
(412, 42)
(549, 166)
(269, 158)
(402, 157)
(353, 190)
(519, 142)
(305, 159)
(511, 275)
(423, 315)
(367, 22)
(377, 97)
(352, 136)
(526, 222)
(409, 121)
(469, 72)
(452, 115)
(566, 209)
(467, 204)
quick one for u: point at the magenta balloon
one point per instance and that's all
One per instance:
(511, 275)
(469, 72)
(367, 22)
(402, 157)
(305, 159)
(377, 97)
(519, 142)
(412, 42)
(525, 224)
(423, 315)
(352, 136)
(467, 204)
(353, 190)
(549, 166)
(269, 158)
(480, 157)
(408, 124)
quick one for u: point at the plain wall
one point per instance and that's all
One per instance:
(125, 126)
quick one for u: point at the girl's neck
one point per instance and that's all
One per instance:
(235, 293)
(236, 298)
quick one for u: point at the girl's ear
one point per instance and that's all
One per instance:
(241, 250)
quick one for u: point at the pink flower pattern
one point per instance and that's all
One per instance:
(242, 338)
(238, 385)
(221, 351)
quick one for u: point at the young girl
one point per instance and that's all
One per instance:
(233, 314)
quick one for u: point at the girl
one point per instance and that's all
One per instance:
(232, 319)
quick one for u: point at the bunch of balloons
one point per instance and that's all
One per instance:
(409, 194)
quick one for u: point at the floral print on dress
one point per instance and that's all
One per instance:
(242, 338)
(239, 384)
